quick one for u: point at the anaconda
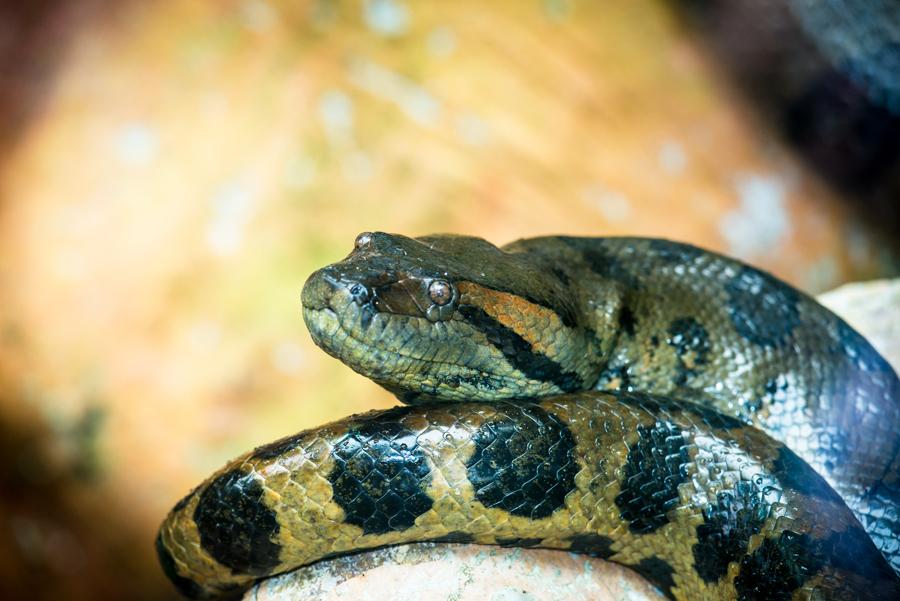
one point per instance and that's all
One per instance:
(659, 405)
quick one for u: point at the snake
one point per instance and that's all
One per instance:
(641, 400)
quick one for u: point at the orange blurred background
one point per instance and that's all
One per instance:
(172, 171)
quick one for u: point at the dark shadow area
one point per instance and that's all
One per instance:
(61, 537)
(34, 37)
(826, 77)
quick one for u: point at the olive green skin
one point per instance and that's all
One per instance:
(644, 481)
(623, 314)
(554, 316)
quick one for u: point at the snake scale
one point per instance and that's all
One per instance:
(641, 400)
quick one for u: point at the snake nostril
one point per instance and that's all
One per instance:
(359, 293)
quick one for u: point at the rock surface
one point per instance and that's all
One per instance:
(474, 573)
(459, 573)
(873, 309)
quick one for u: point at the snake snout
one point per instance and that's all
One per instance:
(324, 284)
(318, 290)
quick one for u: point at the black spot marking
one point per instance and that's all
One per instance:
(794, 473)
(380, 474)
(463, 538)
(602, 262)
(236, 527)
(775, 391)
(659, 572)
(627, 321)
(675, 252)
(517, 350)
(652, 473)
(691, 343)
(595, 545)
(780, 566)
(762, 308)
(749, 405)
(523, 463)
(185, 586)
(515, 541)
(590, 333)
(777, 568)
(727, 527)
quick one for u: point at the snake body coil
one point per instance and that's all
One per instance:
(675, 411)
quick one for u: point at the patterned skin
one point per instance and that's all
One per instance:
(687, 493)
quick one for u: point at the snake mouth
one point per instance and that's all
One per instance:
(409, 356)
(441, 356)
(338, 335)
(347, 324)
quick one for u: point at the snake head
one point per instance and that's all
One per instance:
(450, 318)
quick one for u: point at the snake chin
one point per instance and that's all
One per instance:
(414, 373)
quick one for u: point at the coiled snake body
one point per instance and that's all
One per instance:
(645, 401)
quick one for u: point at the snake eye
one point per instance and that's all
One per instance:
(362, 240)
(440, 292)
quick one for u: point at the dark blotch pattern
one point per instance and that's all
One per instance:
(603, 263)
(524, 463)
(595, 545)
(762, 309)
(518, 351)
(652, 473)
(516, 541)
(777, 568)
(462, 538)
(727, 527)
(775, 391)
(627, 321)
(236, 527)
(794, 473)
(659, 572)
(691, 343)
(380, 475)
(185, 586)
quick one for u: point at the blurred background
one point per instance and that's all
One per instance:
(171, 172)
